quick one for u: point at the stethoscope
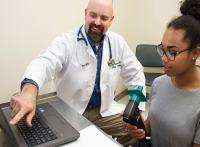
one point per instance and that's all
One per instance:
(111, 62)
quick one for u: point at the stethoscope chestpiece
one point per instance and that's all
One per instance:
(111, 62)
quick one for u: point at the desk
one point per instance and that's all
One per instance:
(77, 121)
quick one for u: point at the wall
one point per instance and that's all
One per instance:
(148, 23)
(149, 20)
(27, 27)
(122, 26)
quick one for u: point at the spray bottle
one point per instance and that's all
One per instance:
(131, 113)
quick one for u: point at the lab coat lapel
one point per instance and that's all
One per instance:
(89, 49)
(105, 57)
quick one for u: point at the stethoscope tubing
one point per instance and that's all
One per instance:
(110, 60)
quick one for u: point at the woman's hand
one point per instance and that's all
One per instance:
(135, 132)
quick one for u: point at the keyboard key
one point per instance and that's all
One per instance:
(45, 133)
(38, 141)
(49, 131)
(31, 138)
(48, 137)
(43, 139)
(34, 143)
(54, 137)
(36, 138)
(41, 136)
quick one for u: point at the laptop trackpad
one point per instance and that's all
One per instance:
(58, 124)
(54, 120)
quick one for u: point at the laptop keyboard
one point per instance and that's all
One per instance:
(37, 134)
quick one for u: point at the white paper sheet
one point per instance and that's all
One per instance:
(91, 137)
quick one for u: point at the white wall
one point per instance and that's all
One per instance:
(122, 26)
(148, 23)
(149, 19)
(27, 27)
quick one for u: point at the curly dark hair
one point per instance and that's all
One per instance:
(189, 22)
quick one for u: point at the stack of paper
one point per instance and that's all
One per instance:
(92, 137)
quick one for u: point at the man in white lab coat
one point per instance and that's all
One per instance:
(85, 65)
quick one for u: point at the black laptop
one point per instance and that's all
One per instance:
(48, 129)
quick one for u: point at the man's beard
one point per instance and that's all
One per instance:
(95, 36)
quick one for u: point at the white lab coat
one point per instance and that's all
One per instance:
(74, 83)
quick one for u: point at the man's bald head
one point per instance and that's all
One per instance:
(106, 3)
(98, 18)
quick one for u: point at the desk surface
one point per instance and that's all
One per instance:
(77, 121)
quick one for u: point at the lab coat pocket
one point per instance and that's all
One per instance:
(113, 80)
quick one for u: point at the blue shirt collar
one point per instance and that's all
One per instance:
(92, 43)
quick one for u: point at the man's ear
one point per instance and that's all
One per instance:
(85, 12)
(111, 20)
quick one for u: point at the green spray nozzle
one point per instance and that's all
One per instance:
(137, 95)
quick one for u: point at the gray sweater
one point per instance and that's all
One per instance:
(174, 114)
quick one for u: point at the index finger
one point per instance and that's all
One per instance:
(17, 117)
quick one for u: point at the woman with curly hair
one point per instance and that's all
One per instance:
(174, 113)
